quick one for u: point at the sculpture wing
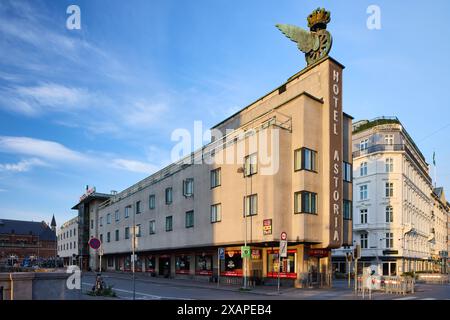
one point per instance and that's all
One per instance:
(305, 40)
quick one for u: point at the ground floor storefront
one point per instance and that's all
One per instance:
(303, 265)
(390, 266)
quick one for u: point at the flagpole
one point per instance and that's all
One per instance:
(435, 170)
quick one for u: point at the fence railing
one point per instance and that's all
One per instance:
(389, 285)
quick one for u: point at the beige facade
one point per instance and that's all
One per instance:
(302, 119)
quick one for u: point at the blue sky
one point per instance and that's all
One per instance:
(97, 106)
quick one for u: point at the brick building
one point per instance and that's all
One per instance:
(26, 239)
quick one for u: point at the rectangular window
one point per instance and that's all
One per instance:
(152, 201)
(216, 213)
(189, 219)
(348, 215)
(363, 214)
(363, 169)
(127, 233)
(152, 227)
(389, 139)
(138, 230)
(364, 145)
(363, 192)
(92, 224)
(364, 240)
(305, 202)
(169, 195)
(389, 214)
(127, 211)
(117, 235)
(188, 187)
(305, 159)
(251, 165)
(108, 237)
(169, 221)
(215, 178)
(101, 238)
(251, 205)
(108, 218)
(347, 172)
(389, 165)
(101, 221)
(389, 240)
(138, 207)
(389, 189)
(117, 215)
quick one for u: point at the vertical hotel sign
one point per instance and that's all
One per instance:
(336, 203)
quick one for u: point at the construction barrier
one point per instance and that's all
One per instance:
(389, 285)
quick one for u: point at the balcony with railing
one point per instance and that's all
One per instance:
(379, 148)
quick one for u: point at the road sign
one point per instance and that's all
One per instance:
(100, 252)
(283, 249)
(283, 236)
(95, 243)
(245, 252)
(222, 253)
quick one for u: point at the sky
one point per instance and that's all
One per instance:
(97, 106)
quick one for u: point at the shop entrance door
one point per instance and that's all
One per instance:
(164, 266)
(313, 270)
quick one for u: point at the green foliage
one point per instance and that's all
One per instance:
(105, 292)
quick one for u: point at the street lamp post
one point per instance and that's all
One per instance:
(133, 254)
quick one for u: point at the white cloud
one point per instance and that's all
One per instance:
(21, 166)
(142, 113)
(39, 148)
(134, 166)
(34, 100)
(54, 152)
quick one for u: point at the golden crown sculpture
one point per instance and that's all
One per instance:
(319, 18)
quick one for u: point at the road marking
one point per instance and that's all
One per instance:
(145, 294)
(406, 298)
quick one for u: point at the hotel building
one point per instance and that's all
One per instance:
(399, 219)
(281, 164)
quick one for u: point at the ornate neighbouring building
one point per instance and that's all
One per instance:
(399, 219)
(296, 178)
(21, 240)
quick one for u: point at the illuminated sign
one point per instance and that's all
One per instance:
(88, 192)
(336, 119)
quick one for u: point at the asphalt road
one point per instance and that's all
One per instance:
(157, 289)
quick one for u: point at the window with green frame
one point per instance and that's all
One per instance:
(305, 159)
(169, 222)
(190, 219)
(305, 202)
(348, 210)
